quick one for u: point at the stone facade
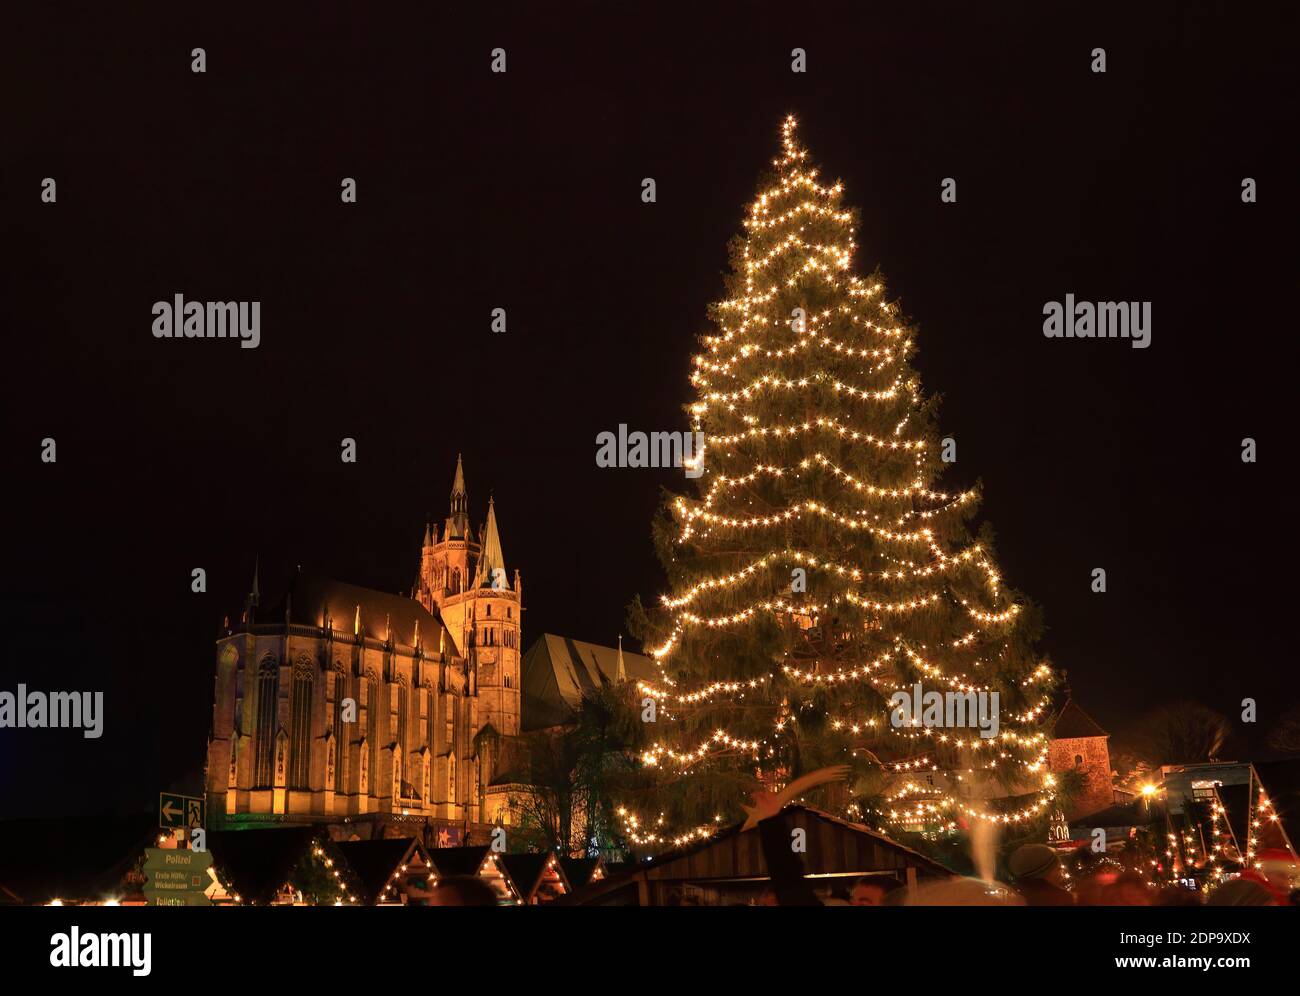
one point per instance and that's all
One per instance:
(346, 704)
(1079, 744)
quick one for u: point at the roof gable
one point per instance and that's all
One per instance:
(375, 861)
(1073, 723)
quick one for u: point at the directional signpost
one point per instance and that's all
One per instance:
(175, 877)
(180, 812)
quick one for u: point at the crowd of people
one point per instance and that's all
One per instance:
(1041, 879)
(1038, 878)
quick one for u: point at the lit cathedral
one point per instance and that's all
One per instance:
(342, 704)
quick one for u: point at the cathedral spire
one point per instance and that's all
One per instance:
(254, 596)
(491, 559)
(620, 675)
(458, 521)
(458, 484)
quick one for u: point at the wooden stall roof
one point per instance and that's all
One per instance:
(580, 871)
(527, 871)
(259, 862)
(377, 863)
(835, 847)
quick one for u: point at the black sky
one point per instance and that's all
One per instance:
(522, 191)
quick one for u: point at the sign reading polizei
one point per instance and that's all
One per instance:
(175, 877)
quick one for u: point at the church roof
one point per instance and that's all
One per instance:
(313, 598)
(1073, 723)
(558, 671)
(513, 758)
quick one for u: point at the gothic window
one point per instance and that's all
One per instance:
(507, 612)
(403, 708)
(1078, 760)
(508, 682)
(268, 676)
(429, 733)
(489, 608)
(372, 724)
(340, 693)
(300, 742)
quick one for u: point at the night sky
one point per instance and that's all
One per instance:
(522, 191)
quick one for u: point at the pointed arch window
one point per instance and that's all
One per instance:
(403, 710)
(340, 693)
(300, 728)
(372, 725)
(268, 679)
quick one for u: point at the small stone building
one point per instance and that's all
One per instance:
(1079, 744)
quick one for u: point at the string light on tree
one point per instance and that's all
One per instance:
(822, 458)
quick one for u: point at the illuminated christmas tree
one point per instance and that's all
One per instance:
(822, 564)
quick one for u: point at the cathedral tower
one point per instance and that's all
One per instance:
(464, 576)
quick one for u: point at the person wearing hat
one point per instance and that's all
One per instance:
(1039, 876)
